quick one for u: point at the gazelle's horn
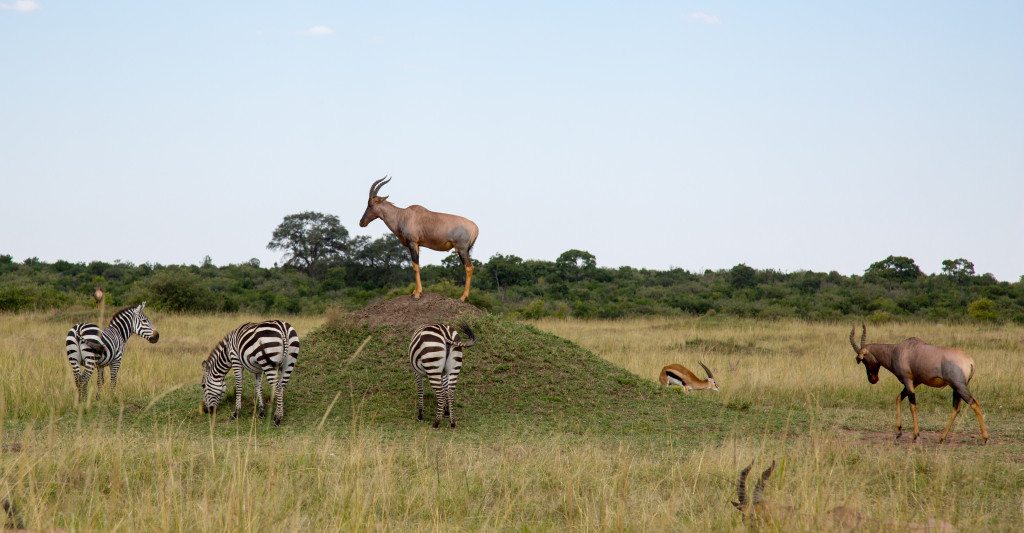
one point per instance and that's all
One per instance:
(375, 188)
(706, 370)
(741, 487)
(758, 494)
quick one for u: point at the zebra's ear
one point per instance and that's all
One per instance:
(142, 306)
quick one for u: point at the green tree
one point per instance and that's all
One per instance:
(741, 276)
(894, 268)
(311, 241)
(574, 264)
(959, 269)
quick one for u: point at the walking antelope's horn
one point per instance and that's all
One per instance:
(375, 188)
(758, 494)
(706, 370)
(741, 487)
(856, 349)
(863, 334)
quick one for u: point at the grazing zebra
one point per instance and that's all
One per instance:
(88, 348)
(270, 348)
(436, 352)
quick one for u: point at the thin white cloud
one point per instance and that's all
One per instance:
(23, 6)
(704, 17)
(318, 31)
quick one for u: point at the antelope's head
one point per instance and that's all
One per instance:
(711, 377)
(373, 204)
(143, 326)
(864, 356)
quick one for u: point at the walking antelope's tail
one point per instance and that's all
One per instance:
(470, 337)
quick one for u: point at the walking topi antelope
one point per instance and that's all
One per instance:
(915, 362)
(680, 375)
(417, 226)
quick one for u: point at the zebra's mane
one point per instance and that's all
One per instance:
(122, 312)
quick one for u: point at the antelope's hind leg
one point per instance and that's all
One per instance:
(952, 417)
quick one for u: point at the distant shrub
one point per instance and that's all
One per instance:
(179, 290)
(983, 310)
(880, 317)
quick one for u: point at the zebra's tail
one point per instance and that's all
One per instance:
(470, 337)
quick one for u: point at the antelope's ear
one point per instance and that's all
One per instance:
(384, 198)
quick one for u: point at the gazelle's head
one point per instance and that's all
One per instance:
(373, 204)
(143, 326)
(711, 377)
(864, 355)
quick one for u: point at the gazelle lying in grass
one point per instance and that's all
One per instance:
(758, 512)
(680, 375)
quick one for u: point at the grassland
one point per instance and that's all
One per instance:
(542, 444)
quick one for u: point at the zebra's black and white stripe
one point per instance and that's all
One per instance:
(436, 353)
(270, 348)
(89, 349)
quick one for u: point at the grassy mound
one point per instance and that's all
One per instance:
(516, 377)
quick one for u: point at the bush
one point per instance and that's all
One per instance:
(983, 310)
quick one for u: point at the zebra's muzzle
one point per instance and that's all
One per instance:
(154, 338)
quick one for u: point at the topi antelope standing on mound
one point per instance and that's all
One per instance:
(915, 362)
(680, 375)
(417, 226)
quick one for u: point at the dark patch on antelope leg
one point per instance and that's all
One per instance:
(899, 414)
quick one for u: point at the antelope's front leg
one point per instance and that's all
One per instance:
(899, 413)
(913, 412)
(468, 264)
(238, 392)
(414, 253)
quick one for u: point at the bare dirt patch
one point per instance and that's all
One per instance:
(926, 438)
(408, 314)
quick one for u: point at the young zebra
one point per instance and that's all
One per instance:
(436, 352)
(88, 348)
(270, 348)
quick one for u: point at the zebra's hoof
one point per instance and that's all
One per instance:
(277, 420)
(261, 413)
(419, 416)
(453, 423)
(437, 424)
(234, 416)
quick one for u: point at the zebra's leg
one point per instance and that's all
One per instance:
(261, 409)
(115, 367)
(439, 384)
(450, 395)
(89, 364)
(99, 379)
(238, 391)
(279, 399)
(419, 396)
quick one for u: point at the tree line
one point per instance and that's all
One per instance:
(323, 266)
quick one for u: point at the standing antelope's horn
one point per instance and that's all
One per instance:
(853, 331)
(375, 188)
(706, 370)
(863, 335)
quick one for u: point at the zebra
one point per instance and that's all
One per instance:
(270, 348)
(90, 349)
(436, 353)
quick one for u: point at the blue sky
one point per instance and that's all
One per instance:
(797, 135)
